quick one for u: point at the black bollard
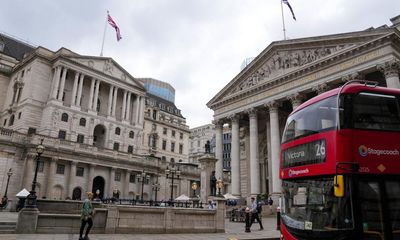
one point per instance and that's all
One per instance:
(247, 220)
(278, 218)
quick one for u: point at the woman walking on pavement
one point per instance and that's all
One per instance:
(86, 216)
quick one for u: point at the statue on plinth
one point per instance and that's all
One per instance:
(213, 183)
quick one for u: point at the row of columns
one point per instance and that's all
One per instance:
(128, 108)
(50, 178)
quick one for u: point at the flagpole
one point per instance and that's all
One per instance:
(283, 22)
(104, 35)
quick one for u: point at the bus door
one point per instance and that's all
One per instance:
(379, 207)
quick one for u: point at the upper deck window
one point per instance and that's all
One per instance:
(320, 116)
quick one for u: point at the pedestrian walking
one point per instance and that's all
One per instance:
(86, 216)
(254, 213)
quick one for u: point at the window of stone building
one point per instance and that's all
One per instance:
(98, 105)
(40, 166)
(172, 147)
(80, 171)
(80, 138)
(31, 130)
(117, 131)
(164, 144)
(173, 133)
(180, 148)
(60, 168)
(154, 114)
(116, 146)
(64, 117)
(5, 122)
(165, 131)
(11, 120)
(163, 158)
(82, 122)
(180, 135)
(117, 176)
(198, 143)
(131, 134)
(132, 178)
(130, 149)
(19, 115)
(62, 134)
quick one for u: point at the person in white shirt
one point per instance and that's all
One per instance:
(254, 213)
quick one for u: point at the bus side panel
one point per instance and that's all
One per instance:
(285, 233)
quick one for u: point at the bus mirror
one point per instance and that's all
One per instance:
(338, 184)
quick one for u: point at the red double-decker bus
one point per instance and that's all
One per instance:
(340, 165)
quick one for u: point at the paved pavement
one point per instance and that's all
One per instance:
(233, 231)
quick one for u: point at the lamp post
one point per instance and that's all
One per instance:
(142, 178)
(98, 194)
(220, 184)
(194, 188)
(156, 188)
(173, 173)
(31, 199)
(9, 174)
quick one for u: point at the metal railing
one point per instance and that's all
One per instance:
(151, 203)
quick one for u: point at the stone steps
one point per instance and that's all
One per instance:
(7, 227)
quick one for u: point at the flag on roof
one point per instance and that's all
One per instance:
(290, 7)
(115, 26)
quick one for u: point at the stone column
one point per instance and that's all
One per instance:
(62, 84)
(50, 179)
(90, 178)
(391, 71)
(275, 146)
(29, 171)
(207, 165)
(141, 111)
(254, 161)
(235, 154)
(218, 149)
(114, 101)
(123, 106)
(78, 99)
(71, 180)
(128, 107)
(96, 95)
(56, 81)
(74, 88)
(126, 183)
(321, 88)
(110, 98)
(137, 109)
(295, 99)
(111, 184)
(90, 103)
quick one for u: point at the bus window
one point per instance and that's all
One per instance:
(371, 210)
(393, 203)
(376, 112)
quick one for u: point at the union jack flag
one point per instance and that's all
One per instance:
(290, 7)
(114, 25)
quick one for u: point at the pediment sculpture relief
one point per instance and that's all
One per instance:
(108, 67)
(283, 60)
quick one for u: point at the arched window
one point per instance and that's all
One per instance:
(116, 146)
(64, 117)
(118, 131)
(131, 134)
(82, 122)
(130, 149)
(11, 120)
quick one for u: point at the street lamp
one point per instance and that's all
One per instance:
(194, 188)
(156, 188)
(142, 178)
(172, 174)
(31, 199)
(220, 184)
(98, 194)
(9, 174)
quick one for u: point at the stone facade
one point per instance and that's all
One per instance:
(90, 113)
(258, 100)
(197, 141)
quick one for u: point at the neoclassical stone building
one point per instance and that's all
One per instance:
(258, 100)
(89, 111)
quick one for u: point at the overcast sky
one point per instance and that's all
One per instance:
(197, 46)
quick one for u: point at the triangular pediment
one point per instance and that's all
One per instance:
(284, 57)
(106, 66)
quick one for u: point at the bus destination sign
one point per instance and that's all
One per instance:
(308, 153)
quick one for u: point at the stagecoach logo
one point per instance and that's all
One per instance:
(297, 172)
(364, 151)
